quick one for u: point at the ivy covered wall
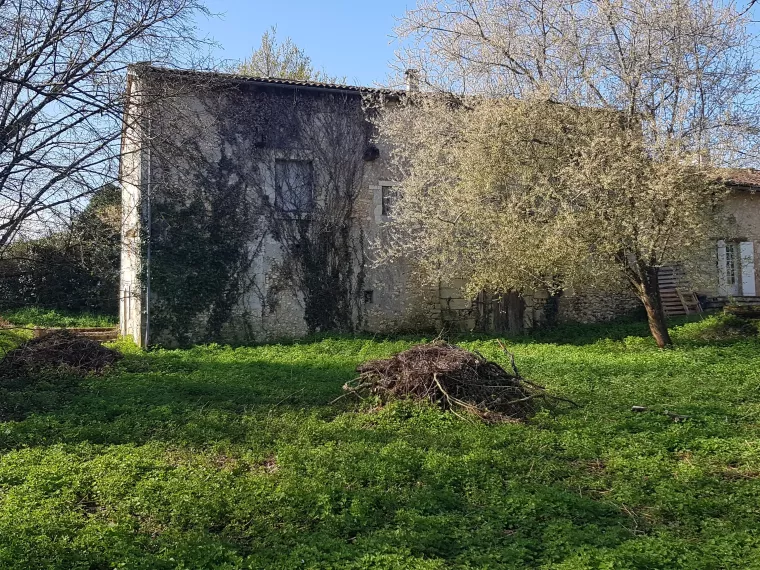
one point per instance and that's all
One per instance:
(258, 213)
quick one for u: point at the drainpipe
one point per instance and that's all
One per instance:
(148, 236)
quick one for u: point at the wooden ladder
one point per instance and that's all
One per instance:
(677, 297)
(689, 299)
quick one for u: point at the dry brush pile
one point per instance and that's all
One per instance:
(454, 379)
(59, 350)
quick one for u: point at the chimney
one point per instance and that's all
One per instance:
(412, 80)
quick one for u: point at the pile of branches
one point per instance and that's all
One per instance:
(454, 379)
(58, 350)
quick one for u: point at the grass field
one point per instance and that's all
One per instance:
(52, 318)
(229, 458)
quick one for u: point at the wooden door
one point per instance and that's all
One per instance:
(499, 313)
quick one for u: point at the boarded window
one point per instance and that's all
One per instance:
(294, 186)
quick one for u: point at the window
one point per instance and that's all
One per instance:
(731, 263)
(294, 186)
(369, 297)
(388, 198)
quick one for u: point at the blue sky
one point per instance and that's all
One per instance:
(350, 38)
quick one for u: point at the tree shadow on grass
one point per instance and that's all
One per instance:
(161, 468)
(166, 396)
(211, 394)
(329, 504)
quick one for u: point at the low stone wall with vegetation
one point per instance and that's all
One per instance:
(597, 307)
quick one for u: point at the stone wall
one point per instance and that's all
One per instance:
(593, 306)
(458, 312)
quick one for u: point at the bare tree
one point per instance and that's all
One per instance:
(613, 181)
(683, 70)
(61, 96)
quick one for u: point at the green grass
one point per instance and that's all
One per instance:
(233, 458)
(10, 338)
(35, 316)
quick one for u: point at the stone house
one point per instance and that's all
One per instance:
(252, 208)
(738, 275)
(249, 208)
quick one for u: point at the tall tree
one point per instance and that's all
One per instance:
(61, 96)
(614, 182)
(283, 60)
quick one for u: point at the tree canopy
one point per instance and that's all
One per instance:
(283, 59)
(570, 144)
(683, 69)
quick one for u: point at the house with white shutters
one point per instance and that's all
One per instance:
(737, 271)
(732, 275)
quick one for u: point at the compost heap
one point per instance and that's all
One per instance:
(452, 378)
(58, 350)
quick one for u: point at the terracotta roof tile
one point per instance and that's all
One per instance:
(747, 177)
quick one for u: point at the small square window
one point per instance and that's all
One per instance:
(369, 297)
(389, 199)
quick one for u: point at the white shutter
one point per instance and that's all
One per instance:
(722, 277)
(747, 256)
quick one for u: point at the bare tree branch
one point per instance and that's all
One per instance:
(61, 96)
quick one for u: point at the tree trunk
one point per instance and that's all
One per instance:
(649, 293)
